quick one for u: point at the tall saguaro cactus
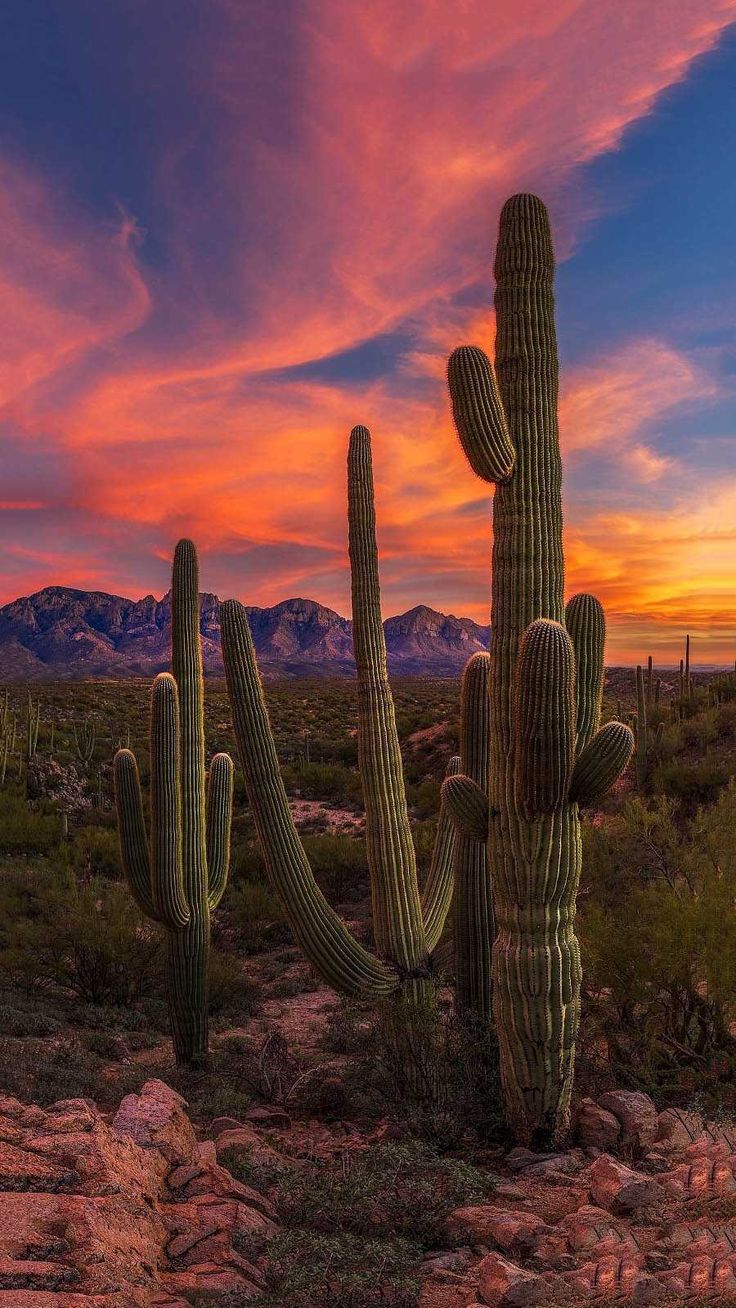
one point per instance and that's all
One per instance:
(547, 754)
(407, 926)
(179, 877)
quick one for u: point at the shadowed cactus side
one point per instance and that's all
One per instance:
(546, 752)
(466, 800)
(406, 925)
(178, 877)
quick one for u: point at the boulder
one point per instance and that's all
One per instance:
(504, 1285)
(156, 1119)
(637, 1115)
(511, 1230)
(620, 1189)
(596, 1127)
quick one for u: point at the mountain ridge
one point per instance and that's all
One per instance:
(65, 633)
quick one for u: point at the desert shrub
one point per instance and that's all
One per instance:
(340, 865)
(726, 721)
(326, 781)
(391, 1189)
(256, 914)
(691, 783)
(658, 934)
(24, 830)
(233, 995)
(258, 1170)
(424, 798)
(305, 1269)
(23, 1015)
(87, 940)
(95, 853)
(41, 1071)
(457, 1066)
(265, 1069)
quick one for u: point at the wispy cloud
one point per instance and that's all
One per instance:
(352, 196)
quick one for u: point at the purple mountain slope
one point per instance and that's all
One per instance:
(64, 634)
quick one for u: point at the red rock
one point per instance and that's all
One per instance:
(208, 1278)
(619, 1189)
(268, 1117)
(220, 1124)
(462, 1294)
(511, 1230)
(155, 1119)
(504, 1285)
(595, 1127)
(637, 1115)
(24, 1170)
(677, 1129)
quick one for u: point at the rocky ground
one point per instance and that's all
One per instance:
(127, 1213)
(131, 1211)
(585, 1226)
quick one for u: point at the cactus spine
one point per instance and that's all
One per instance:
(546, 675)
(180, 877)
(406, 926)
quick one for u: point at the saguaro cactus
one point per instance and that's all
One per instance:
(406, 926)
(181, 877)
(84, 739)
(547, 753)
(466, 800)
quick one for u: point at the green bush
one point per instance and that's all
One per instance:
(40, 1072)
(325, 781)
(256, 914)
(85, 940)
(389, 1190)
(233, 995)
(305, 1269)
(658, 935)
(95, 852)
(691, 783)
(25, 831)
(340, 865)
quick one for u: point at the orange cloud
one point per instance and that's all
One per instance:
(174, 398)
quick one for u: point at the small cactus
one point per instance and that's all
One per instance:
(84, 740)
(179, 877)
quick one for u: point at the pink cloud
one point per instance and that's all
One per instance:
(374, 215)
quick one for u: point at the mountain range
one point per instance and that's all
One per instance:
(64, 634)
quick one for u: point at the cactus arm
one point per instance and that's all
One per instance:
(544, 718)
(397, 916)
(586, 625)
(325, 939)
(132, 830)
(473, 921)
(167, 878)
(467, 806)
(601, 763)
(478, 414)
(219, 819)
(437, 892)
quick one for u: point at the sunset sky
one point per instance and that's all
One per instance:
(231, 229)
